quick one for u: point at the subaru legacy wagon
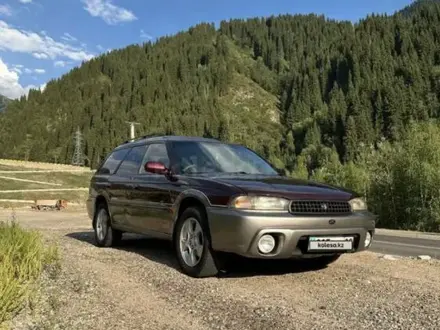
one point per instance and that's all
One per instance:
(210, 197)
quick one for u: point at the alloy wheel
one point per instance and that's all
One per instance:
(191, 242)
(102, 224)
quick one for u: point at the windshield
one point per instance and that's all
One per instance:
(209, 157)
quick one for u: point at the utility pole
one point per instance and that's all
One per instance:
(132, 124)
(78, 156)
(27, 147)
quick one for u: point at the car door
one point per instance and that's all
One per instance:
(113, 186)
(150, 201)
(127, 175)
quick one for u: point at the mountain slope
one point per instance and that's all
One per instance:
(3, 102)
(285, 86)
(181, 85)
(417, 5)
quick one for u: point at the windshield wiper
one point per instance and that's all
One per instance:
(218, 173)
(232, 173)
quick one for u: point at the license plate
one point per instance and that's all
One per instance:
(330, 243)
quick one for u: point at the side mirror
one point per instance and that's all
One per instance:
(155, 167)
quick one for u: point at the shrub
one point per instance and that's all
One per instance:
(23, 257)
(405, 185)
(400, 181)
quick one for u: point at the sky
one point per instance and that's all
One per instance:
(43, 39)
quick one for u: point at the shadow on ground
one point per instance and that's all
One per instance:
(162, 251)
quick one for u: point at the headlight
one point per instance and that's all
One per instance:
(358, 204)
(260, 203)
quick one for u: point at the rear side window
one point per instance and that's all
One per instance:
(132, 163)
(113, 161)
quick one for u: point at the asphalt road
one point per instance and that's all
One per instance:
(406, 246)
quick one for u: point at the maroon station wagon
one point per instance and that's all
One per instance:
(209, 197)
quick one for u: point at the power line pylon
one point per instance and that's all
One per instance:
(78, 155)
(132, 124)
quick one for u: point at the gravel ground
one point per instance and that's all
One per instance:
(138, 286)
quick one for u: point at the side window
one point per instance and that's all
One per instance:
(133, 161)
(157, 152)
(113, 161)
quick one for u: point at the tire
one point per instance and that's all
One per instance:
(202, 263)
(105, 235)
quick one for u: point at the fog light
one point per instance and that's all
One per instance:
(266, 244)
(367, 239)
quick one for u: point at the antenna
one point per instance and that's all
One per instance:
(78, 156)
(132, 123)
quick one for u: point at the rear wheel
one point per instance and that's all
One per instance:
(192, 244)
(105, 235)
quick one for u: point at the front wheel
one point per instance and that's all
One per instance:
(192, 244)
(105, 235)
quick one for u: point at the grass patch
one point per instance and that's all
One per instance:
(15, 205)
(75, 196)
(66, 179)
(11, 168)
(23, 257)
(19, 185)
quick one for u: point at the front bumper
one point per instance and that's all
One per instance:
(239, 231)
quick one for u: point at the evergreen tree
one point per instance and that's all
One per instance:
(333, 85)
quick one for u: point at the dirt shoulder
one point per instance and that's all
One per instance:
(138, 286)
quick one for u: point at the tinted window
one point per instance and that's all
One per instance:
(113, 161)
(156, 152)
(132, 163)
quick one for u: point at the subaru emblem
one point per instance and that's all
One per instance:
(332, 221)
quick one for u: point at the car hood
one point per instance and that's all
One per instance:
(286, 187)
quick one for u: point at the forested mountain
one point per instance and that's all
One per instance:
(3, 102)
(355, 105)
(285, 86)
(415, 5)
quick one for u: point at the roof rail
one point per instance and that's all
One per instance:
(144, 137)
(150, 136)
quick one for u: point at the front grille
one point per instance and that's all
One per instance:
(320, 207)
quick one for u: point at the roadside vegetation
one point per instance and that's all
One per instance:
(400, 180)
(23, 257)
